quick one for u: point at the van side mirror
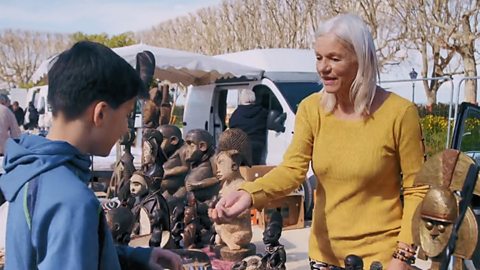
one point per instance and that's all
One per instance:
(276, 121)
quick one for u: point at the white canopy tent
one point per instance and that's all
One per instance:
(275, 60)
(177, 66)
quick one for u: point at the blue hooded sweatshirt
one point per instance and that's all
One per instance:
(67, 223)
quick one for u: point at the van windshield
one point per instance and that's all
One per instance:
(295, 92)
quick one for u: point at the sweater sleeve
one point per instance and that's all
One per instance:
(290, 174)
(411, 157)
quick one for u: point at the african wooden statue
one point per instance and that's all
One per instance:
(234, 148)
(157, 109)
(433, 225)
(150, 210)
(201, 180)
(192, 237)
(153, 157)
(151, 108)
(199, 153)
(275, 256)
(434, 219)
(176, 167)
(177, 224)
(123, 170)
(165, 106)
(120, 222)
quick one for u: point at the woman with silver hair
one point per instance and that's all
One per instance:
(359, 140)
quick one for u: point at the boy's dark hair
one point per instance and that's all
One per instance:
(90, 72)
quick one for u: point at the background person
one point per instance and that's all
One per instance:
(358, 138)
(8, 124)
(32, 116)
(18, 112)
(252, 119)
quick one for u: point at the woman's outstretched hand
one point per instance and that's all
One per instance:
(231, 206)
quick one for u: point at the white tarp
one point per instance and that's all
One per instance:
(275, 60)
(177, 66)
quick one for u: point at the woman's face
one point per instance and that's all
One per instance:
(336, 64)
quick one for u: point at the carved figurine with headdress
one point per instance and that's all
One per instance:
(123, 170)
(434, 222)
(151, 211)
(236, 234)
(275, 256)
(153, 157)
(434, 219)
(176, 167)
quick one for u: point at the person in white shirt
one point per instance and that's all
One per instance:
(8, 123)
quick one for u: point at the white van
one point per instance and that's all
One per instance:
(38, 95)
(289, 76)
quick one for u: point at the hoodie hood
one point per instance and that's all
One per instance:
(31, 155)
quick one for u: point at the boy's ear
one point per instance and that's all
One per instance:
(99, 113)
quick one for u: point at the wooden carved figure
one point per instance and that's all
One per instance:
(176, 167)
(150, 210)
(275, 256)
(153, 157)
(233, 150)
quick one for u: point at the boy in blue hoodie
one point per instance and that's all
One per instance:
(54, 219)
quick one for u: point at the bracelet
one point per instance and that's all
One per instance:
(399, 254)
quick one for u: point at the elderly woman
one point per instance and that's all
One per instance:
(359, 139)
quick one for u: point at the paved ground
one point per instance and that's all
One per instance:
(296, 246)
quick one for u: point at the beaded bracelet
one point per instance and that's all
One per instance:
(402, 256)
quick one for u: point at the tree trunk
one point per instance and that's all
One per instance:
(431, 99)
(469, 64)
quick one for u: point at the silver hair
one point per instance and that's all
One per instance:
(246, 97)
(352, 30)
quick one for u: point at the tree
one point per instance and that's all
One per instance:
(121, 40)
(459, 27)
(440, 31)
(21, 53)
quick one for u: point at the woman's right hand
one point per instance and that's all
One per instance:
(231, 206)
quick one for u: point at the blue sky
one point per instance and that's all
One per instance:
(90, 16)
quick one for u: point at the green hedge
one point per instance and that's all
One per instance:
(434, 130)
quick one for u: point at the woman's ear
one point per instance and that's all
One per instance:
(99, 113)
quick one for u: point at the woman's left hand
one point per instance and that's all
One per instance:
(396, 264)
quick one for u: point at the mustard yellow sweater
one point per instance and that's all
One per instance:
(357, 164)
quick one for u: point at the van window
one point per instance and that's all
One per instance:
(295, 92)
(265, 97)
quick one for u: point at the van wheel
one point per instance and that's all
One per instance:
(308, 186)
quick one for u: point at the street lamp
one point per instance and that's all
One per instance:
(413, 75)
